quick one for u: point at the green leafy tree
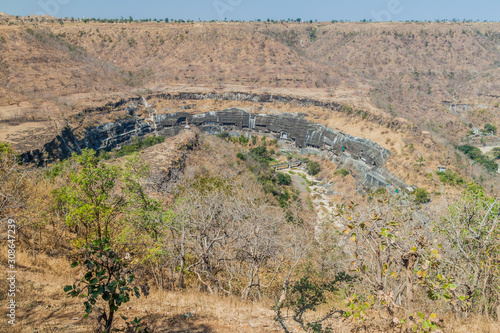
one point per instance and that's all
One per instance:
(90, 200)
(307, 295)
(143, 213)
(313, 168)
(489, 128)
(92, 205)
(284, 179)
(107, 277)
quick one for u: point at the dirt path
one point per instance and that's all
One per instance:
(323, 203)
(487, 149)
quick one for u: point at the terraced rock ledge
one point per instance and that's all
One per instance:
(364, 157)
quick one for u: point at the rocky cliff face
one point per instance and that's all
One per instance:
(257, 98)
(293, 128)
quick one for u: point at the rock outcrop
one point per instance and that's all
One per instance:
(294, 129)
(397, 123)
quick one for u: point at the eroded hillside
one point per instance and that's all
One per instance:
(413, 70)
(414, 88)
(239, 175)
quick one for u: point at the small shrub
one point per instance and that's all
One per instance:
(489, 128)
(132, 42)
(342, 172)
(106, 278)
(243, 140)
(223, 135)
(450, 177)
(284, 179)
(421, 195)
(313, 168)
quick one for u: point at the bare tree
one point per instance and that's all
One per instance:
(12, 183)
(471, 250)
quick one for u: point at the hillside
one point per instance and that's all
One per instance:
(410, 70)
(250, 241)
(442, 78)
(250, 176)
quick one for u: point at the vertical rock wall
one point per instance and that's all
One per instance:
(299, 131)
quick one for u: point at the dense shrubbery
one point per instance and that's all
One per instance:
(278, 185)
(421, 195)
(489, 128)
(261, 154)
(343, 172)
(284, 179)
(450, 177)
(241, 156)
(313, 168)
(403, 263)
(496, 153)
(475, 154)
(214, 228)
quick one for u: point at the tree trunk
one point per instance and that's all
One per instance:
(409, 260)
(180, 283)
(409, 289)
(109, 322)
(246, 291)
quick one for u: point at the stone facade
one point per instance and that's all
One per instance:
(300, 132)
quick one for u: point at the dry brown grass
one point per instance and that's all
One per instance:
(50, 72)
(371, 66)
(44, 307)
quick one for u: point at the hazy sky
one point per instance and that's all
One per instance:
(322, 10)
